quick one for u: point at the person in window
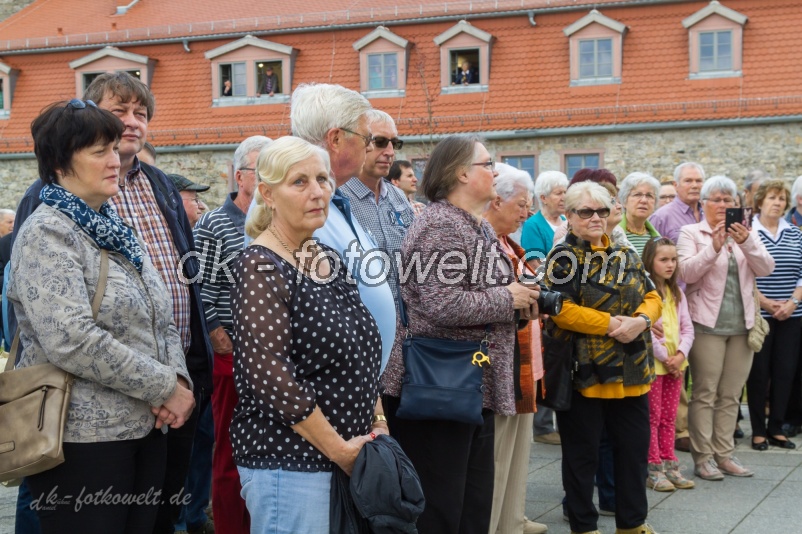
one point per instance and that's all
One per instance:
(227, 91)
(269, 85)
(307, 351)
(465, 74)
(128, 362)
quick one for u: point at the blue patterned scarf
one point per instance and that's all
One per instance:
(106, 228)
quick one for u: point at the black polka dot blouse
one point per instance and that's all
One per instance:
(298, 343)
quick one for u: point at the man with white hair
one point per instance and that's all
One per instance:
(687, 207)
(752, 182)
(336, 119)
(381, 208)
(6, 222)
(219, 237)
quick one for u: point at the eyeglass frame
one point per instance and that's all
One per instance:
(367, 138)
(381, 142)
(663, 197)
(640, 196)
(724, 201)
(489, 164)
(592, 213)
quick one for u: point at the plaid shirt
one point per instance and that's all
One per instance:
(386, 221)
(137, 206)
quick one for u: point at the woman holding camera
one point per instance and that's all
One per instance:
(609, 306)
(719, 265)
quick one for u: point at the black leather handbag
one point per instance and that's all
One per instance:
(442, 377)
(559, 366)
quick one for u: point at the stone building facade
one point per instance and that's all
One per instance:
(9, 7)
(776, 148)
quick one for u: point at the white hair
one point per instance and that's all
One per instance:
(511, 180)
(378, 116)
(5, 211)
(678, 169)
(548, 181)
(316, 108)
(718, 184)
(755, 175)
(592, 190)
(634, 180)
(254, 143)
(796, 191)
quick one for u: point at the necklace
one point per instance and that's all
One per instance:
(295, 255)
(275, 234)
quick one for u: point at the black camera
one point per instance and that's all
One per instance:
(549, 302)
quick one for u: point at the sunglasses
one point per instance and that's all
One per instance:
(381, 142)
(77, 103)
(587, 213)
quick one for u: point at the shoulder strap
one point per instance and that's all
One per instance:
(100, 290)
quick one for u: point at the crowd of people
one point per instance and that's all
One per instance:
(242, 362)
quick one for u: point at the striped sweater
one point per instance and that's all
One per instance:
(786, 249)
(219, 236)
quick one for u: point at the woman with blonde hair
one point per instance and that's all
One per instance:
(306, 350)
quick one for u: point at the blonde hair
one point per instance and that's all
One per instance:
(272, 166)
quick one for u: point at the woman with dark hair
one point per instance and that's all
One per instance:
(130, 377)
(780, 294)
(454, 459)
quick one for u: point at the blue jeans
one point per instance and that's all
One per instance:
(27, 522)
(199, 478)
(286, 502)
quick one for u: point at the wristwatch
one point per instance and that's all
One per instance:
(648, 321)
(795, 301)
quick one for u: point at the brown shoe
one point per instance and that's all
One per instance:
(683, 444)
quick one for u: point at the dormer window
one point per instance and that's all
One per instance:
(464, 59)
(595, 45)
(383, 58)
(8, 79)
(251, 71)
(110, 59)
(715, 37)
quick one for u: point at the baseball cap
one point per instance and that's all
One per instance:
(183, 183)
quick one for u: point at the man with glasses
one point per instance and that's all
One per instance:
(219, 237)
(382, 209)
(336, 119)
(189, 196)
(686, 208)
(668, 192)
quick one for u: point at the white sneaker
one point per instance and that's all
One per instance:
(531, 527)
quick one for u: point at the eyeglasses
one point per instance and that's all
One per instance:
(587, 213)
(668, 197)
(641, 196)
(197, 201)
(490, 164)
(77, 103)
(367, 138)
(725, 201)
(247, 169)
(381, 142)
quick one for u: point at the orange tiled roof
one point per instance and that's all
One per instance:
(529, 78)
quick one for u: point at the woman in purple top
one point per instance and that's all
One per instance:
(455, 299)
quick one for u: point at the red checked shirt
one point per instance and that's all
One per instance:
(138, 207)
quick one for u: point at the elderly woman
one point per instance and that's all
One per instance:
(719, 266)
(127, 362)
(455, 459)
(638, 195)
(513, 434)
(612, 347)
(537, 235)
(306, 350)
(780, 294)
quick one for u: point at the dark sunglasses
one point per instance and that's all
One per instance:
(77, 103)
(381, 142)
(587, 213)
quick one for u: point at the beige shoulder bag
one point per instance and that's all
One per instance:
(33, 408)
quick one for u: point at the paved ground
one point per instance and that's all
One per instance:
(769, 502)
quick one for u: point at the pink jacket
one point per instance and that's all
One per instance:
(705, 272)
(686, 333)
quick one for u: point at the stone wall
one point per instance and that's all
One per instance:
(9, 7)
(732, 151)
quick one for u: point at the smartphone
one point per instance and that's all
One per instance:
(738, 215)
